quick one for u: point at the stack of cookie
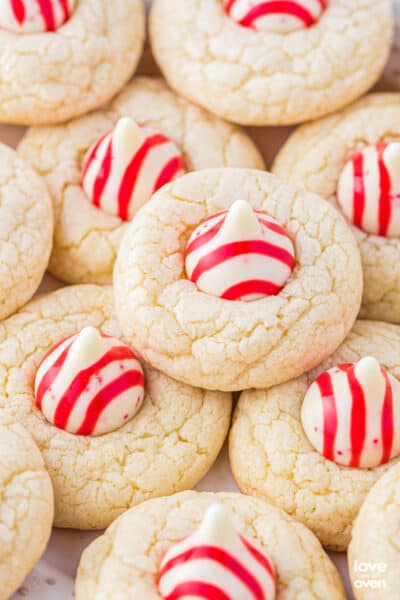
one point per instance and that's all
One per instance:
(188, 274)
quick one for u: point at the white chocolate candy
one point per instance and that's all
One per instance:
(217, 563)
(239, 254)
(369, 190)
(351, 414)
(89, 384)
(127, 165)
(275, 17)
(34, 16)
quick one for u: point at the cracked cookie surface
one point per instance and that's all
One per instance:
(271, 456)
(124, 562)
(87, 239)
(167, 447)
(52, 77)
(223, 344)
(375, 540)
(314, 157)
(257, 78)
(26, 505)
(26, 231)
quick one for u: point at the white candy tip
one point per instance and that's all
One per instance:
(127, 135)
(368, 370)
(391, 157)
(86, 345)
(242, 221)
(216, 523)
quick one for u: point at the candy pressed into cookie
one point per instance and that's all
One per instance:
(353, 160)
(26, 231)
(258, 62)
(26, 505)
(102, 168)
(373, 557)
(232, 279)
(112, 431)
(62, 58)
(213, 546)
(316, 445)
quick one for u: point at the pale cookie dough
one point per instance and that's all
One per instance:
(124, 562)
(374, 553)
(257, 78)
(87, 239)
(272, 457)
(314, 157)
(26, 506)
(233, 345)
(169, 445)
(26, 231)
(52, 77)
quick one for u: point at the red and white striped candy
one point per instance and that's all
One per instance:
(127, 165)
(239, 254)
(89, 384)
(275, 16)
(351, 414)
(369, 190)
(216, 563)
(34, 16)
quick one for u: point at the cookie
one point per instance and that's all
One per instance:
(264, 302)
(26, 506)
(86, 238)
(125, 562)
(26, 231)
(63, 59)
(269, 63)
(373, 552)
(276, 450)
(318, 156)
(166, 444)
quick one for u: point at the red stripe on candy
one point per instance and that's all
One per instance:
(330, 417)
(107, 395)
(65, 8)
(46, 8)
(250, 288)
(50, 376)
(93, 154)
(387, 425)
(18, 8)
(229, 5)
(358, 418)
(358, 190)
(204, 238)
(279, 7)
(223, 558)
(260, 558)
(174, 166)
(103, 175)
(198, 589)
(385, 203)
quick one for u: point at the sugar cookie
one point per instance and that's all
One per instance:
(167, 444)
(126, 562)
(323, 483)
(26, 506)
(373, 557)
(358, 145)
(26, 231)
(60, 59)
(258, 62)
(223, 342)
(87, 239)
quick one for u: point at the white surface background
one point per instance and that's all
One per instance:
(53, 578)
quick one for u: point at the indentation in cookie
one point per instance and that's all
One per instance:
(35, 16)
(127, 165)
(89, 384)
(275, 16)
(351, 414)
(239, 254)
(217, 563)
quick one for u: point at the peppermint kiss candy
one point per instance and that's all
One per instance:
(216, 563)
(34, 16)
(369, 190)
(275, 16)
(89, 384)
(351, 414)
(127, 165)
(239, 254)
